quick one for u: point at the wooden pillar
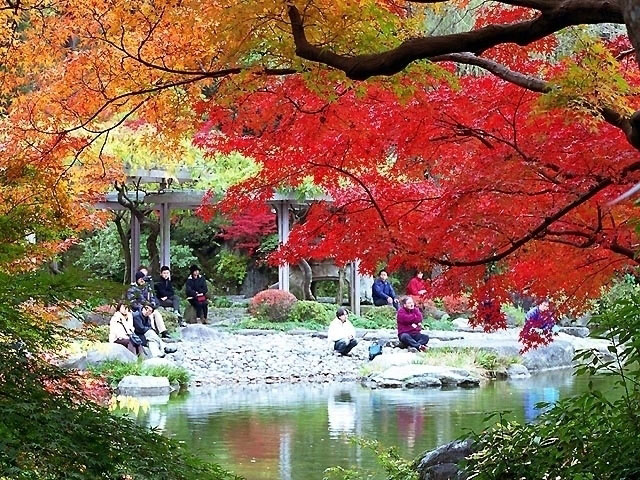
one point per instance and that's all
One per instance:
(282, 210)
(135, 245)
(354, 287)
(165, 234)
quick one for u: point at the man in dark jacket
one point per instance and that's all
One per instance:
(141, 293)
(165, 293)
(143, 325)
(196, 289)
(382, 291)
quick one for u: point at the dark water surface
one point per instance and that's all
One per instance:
(290, 432)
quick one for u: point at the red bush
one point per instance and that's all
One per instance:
(272, 305)
(456, 304)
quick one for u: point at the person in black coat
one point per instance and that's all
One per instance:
(165, 293)
(196, 289)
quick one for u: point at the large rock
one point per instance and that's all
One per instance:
(109, 351)
(442, 463)
(99, 318)
(558, 354)
(158, 362)
(72, 323)
(515, 370)
(143, 385)
(76, 362)
(417, 376)
(581, 332)
(198, 333)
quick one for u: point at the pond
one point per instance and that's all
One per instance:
(288, 432)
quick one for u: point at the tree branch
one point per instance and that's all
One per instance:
(360, 67)
(540, 228)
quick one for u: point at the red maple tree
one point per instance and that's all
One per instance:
(474, 179)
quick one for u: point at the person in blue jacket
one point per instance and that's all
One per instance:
(382, 291)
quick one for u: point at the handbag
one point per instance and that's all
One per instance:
(201, 298)
(135, 339)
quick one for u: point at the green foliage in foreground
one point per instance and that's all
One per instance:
(394, 466)
(116, 370)
(48, 431)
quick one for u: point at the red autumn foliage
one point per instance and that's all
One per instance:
(249, 226)
(273, 305)
(472, 179)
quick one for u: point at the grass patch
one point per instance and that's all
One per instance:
(114, 371)
(465, 358)
(255, 324)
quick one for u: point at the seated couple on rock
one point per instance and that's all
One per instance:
(409, 320)
(136, 330)
(342, 335)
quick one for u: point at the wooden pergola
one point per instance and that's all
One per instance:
(167, 199)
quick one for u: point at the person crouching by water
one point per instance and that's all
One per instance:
(121, 327)
(409, 320)
(341, 333)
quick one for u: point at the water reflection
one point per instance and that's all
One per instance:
(342, 411)
(288, 432)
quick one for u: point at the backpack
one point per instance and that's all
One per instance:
(374, 351)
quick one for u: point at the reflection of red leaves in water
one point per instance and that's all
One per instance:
(253, 439)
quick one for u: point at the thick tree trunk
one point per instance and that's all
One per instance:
(306, 280)
(631, 14)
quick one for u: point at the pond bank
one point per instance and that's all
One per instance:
(215, 356)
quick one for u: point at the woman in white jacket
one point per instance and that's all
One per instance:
(341, 333)
(121, 326)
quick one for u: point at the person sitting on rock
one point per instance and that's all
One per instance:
(143, 326)
(382, 291)
(416, 288)
(341, 333)
(121, 326)
(166, 295)
(409, 320)
(196, 289)
(140, 293)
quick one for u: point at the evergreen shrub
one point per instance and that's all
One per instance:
(307, 311)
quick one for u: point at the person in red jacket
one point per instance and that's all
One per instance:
(417, 288)
(409, 320)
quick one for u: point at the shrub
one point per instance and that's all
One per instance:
(231, 268)
(378, 317)
(516, 314)
(272, 305)
(444, 323)
(221, 302)
(306, 311)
